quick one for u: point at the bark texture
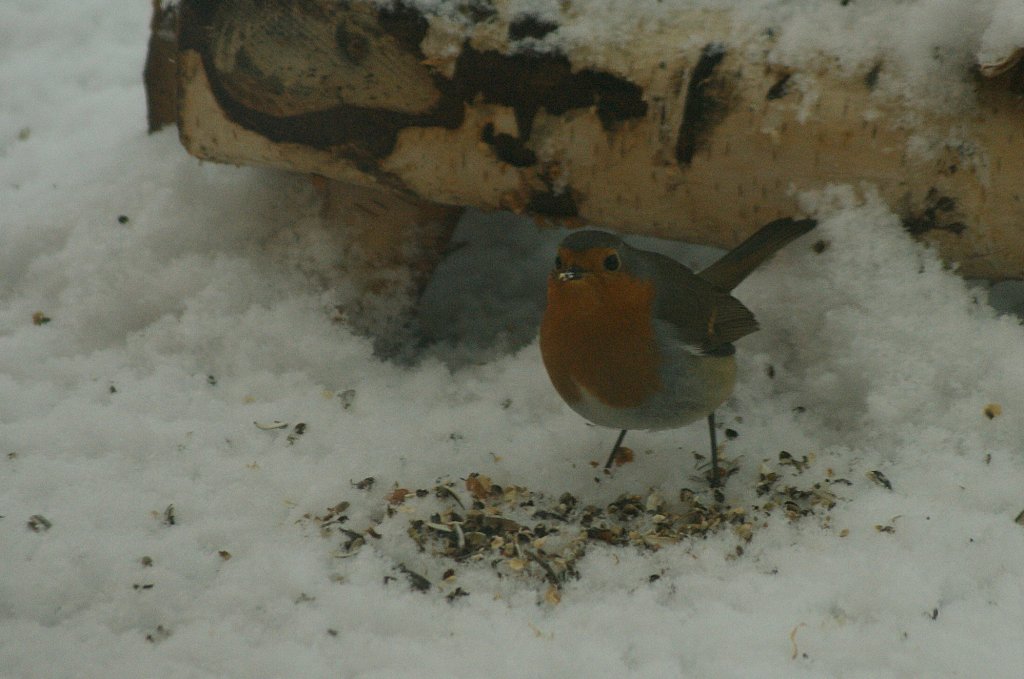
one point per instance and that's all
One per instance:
(685, 131)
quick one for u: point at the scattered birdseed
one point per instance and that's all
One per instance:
(297, 431)
(786, 458)
(270, 426)
(478, 486)
(623, 456)
(159, 634)
(889, 527)
(879, 478)
(533, 536)
(38, 523)
(397, 496)
(418, 582)
(457, 593)
(365, 484)
(792, 640)
(347, 398)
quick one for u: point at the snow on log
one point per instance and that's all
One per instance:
(675, 123)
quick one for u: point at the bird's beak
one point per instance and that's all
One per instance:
(573, 273)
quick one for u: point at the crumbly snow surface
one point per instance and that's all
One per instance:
(208, 308)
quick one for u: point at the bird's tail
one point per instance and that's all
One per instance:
(735, 265)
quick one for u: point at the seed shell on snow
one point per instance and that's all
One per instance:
(534, 536)
(270, 426)
(879, 478)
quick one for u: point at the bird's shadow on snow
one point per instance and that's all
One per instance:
(487, 295)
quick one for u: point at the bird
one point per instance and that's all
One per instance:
(633, 339)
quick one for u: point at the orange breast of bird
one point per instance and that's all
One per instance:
(597, 334)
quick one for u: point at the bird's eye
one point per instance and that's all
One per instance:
(611, 262)
(558, 262)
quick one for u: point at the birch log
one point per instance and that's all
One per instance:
(684, 131)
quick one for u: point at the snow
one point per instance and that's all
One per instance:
(1002, 36)
(210, 309)
(925, 51)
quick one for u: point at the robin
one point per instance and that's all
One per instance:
(633, 339)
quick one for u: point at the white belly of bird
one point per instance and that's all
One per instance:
(691, 391)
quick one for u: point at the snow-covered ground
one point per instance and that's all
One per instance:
(150, 529)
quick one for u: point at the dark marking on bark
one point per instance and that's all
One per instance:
(478, 11)
(938, 214)
(404, 24)
(364, 134)
(551, 204)
(352, 45)
(246, 68)
(529, 26)
(203, 10)
(508, 148)
(361, 134)
(530, 81)
(160, 74)
(780, 88)
(704, 107)
(871, 77)
(526, 82)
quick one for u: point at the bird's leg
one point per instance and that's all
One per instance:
(715, 477)
(615, 449)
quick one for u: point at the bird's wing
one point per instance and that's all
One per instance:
(704, 316)
(735, 265)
